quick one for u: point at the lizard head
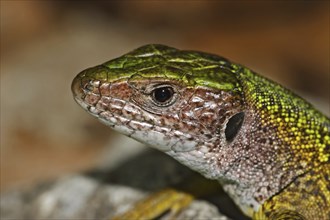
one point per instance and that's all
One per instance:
(187, 104)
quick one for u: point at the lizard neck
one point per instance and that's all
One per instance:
(252, 168)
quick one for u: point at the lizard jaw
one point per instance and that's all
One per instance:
(125, 117)
(155, 136)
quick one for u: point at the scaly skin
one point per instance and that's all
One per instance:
(267, 147)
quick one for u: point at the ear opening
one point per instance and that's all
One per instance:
(234, 125)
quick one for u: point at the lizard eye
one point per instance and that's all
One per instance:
(163, 96)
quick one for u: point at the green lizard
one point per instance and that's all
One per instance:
(267, 147)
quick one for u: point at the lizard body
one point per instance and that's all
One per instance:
(267, 147)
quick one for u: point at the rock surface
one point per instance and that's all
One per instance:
(103, 194)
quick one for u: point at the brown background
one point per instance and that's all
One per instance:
(44, 44)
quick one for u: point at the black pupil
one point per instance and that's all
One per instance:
(163, 94)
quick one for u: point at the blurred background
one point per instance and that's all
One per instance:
(44, 44)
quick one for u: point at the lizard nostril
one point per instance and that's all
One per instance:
(82, 82)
